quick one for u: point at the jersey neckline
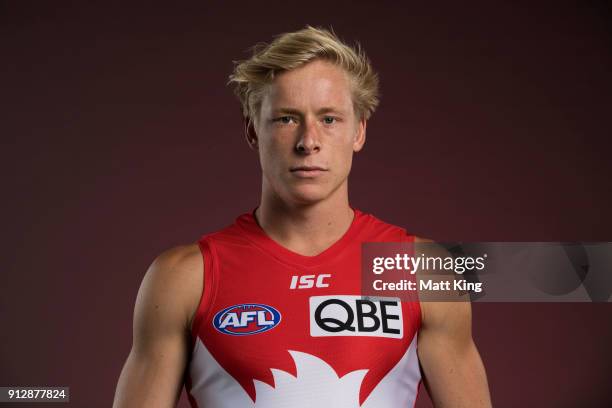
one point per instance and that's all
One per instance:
(248, 223)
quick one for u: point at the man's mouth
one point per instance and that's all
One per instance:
(307, 171)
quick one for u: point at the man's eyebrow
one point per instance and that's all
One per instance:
(331, 110)
(319, 112)
(287, 110)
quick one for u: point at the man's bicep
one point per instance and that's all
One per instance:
(445, 331)
(159, 312)
(454, 373)
(152, 377)
(153, 373)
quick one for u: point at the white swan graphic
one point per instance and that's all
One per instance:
(316, 384)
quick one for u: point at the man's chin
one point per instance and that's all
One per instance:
(307, 195)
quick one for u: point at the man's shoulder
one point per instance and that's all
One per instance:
(429, 247)
(179, 257)
(181, 266)
(454, 309)
(175, 279)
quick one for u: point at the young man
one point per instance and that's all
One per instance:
(268, 312)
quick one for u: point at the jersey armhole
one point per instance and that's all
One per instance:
(209, 273)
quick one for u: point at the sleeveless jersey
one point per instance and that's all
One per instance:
(275, 328)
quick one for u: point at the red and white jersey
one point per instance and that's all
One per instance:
(278, 329)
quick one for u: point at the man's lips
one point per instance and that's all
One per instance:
(307, 171)
(307, 168)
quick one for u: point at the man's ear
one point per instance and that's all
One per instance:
(360, 135)
(249, 133)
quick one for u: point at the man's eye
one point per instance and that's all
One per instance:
(284, 120)
(329, 120)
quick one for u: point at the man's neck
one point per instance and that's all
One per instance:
(305, 229)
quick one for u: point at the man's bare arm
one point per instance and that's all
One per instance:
(453, 370)
(454, 373)
(152, 376)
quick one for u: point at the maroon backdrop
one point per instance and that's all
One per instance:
(120, 139)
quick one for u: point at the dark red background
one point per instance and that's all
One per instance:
(120, 139)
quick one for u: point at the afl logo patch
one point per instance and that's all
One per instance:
(246, 319)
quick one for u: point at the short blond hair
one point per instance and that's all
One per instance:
(292, 50)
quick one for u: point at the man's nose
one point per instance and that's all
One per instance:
(308, 141)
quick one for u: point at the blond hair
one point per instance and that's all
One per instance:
(292, 50)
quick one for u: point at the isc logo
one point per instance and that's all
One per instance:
(245, 319)
(309, 281)
(355, 316)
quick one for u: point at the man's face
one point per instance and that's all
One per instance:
(306, 133)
